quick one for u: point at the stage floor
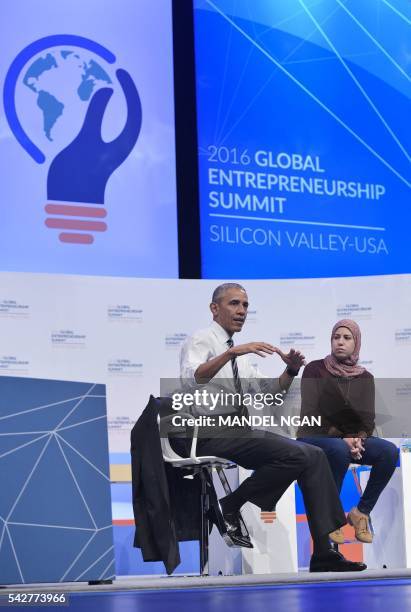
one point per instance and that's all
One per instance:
(304, 592)
(340, 596)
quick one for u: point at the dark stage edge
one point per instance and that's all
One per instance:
(144, 583)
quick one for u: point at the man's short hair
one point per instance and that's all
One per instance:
(221, 289)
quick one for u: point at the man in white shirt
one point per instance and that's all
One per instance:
(210, 355)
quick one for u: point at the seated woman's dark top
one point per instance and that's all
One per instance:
(346, 405)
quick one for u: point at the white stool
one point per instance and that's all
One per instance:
(203, 466)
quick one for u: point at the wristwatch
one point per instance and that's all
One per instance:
(292, 372)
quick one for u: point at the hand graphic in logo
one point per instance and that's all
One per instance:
(78, 175)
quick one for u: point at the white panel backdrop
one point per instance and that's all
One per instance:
(127, 333)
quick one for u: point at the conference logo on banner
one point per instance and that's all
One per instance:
(124, 313)
(252, 316)
(402, 336)
(14, 309)
(358, 312)
(366, 363)
(67, 80)
(14, 364)
(124, 367)
(403, 391)
(297, 339)
(68, 338)
(175, 340)
(120, 423)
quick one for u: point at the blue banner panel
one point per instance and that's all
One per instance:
(55, 506)
(304, 137)
(87, 149)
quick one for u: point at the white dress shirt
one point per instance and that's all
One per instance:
(208, 343)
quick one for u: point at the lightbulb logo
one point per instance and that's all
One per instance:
(78, 173)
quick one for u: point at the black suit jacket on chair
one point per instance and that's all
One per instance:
(166, 505)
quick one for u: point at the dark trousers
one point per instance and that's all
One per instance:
(380, 454)
(278, 461)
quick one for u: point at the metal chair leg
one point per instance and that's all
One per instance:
(224, 481)
(356, 480)
(205, 504)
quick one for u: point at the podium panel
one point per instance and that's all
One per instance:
(274, 536)
(391, 547)
(55, 507)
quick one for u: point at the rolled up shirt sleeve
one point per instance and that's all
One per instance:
(195, 351)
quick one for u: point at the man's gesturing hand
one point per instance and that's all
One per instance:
(293, 359)
(259, 348)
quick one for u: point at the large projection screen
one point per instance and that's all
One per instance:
(304, 137)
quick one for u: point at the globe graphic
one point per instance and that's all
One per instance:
(60, 79)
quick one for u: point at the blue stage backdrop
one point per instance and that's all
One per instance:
(304, 137)
(55, 506)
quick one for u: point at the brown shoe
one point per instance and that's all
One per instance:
(360, 522)
(337, 536)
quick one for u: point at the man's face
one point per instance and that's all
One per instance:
(231, 310)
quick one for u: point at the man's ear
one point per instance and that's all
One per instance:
(214, 308)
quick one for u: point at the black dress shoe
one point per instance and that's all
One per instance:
(333, 561)
(233, 527)
(232, 523)
(237, 542)
(229, 526)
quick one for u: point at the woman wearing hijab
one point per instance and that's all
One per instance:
(342, 393)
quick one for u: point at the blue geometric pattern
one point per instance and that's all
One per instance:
(55, 504)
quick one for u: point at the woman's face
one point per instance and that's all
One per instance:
(342, 344)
